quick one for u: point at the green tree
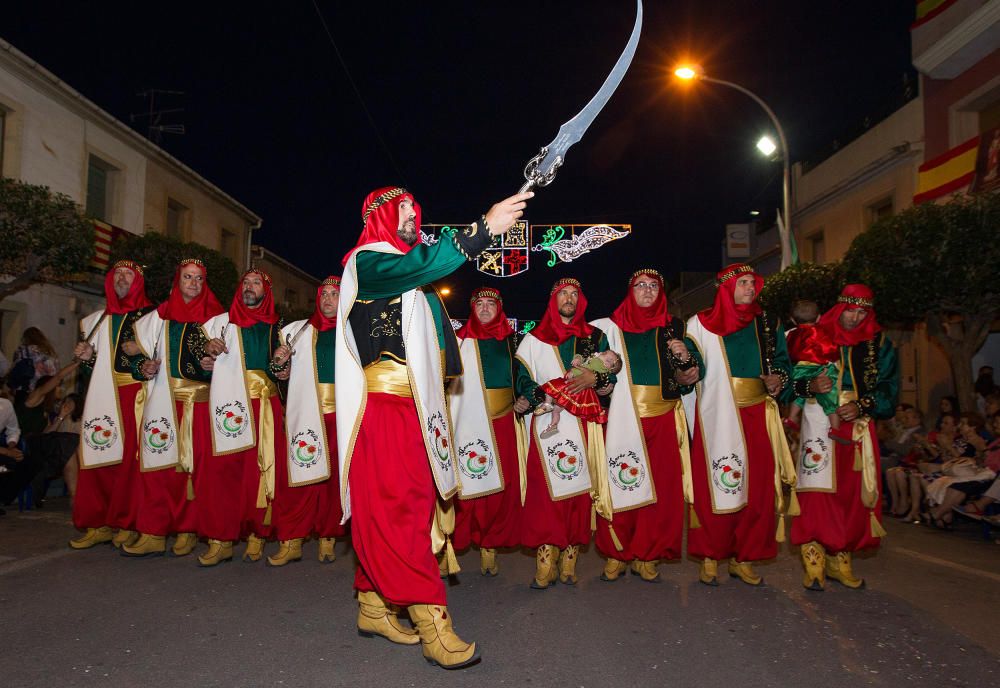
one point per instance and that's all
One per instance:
(44, 236)
(937, 263)
(803, 281)
(160, 255)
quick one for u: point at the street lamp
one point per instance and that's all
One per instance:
(693, 72)
(767, 146)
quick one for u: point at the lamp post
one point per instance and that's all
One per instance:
(692, 72)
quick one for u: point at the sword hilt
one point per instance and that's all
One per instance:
(532, 175)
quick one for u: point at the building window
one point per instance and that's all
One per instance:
(101, 177)
(989, 117)
(177, 218)
(880, 209)
(817, 247)
(229, 245)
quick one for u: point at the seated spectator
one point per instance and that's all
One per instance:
(948, 406)
(984, 386)
(909, 479)
(54, 452)
(10, 455)
(966, 474)
(902, 450)
(33, 359)
(980, 501)
(991, 404)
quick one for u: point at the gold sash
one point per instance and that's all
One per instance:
(327, 399)
(188, 392)
(750, 391)
(649, 401)
(124, 380)
(499, 401)
(389, 377)
(260, 386)
(864, 461)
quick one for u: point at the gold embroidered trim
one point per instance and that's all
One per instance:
(563, 282)
(738, 270)
(647, 271)
(382, 199)
(130, 264)
(485, 293)
(856, 301)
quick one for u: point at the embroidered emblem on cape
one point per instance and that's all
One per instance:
(231, 418)
(100, 433)
(565, 459)
(157, 435)
(437, 432)
(626, 471)
(304, 448)
(728, 474)
(815, 455)
(475, 459)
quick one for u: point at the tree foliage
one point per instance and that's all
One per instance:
(161, 254)
(936, 263)
(806, 281)
(44, 236)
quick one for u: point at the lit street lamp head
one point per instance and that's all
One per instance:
(689, 72)
(767, 146)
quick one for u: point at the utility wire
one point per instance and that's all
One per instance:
(361, 100)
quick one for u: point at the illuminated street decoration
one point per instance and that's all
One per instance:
(566, 243)
(562, 243)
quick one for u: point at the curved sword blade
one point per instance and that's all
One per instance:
(573, 130)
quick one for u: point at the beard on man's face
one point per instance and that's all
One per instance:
(567, 310)
(408, 232)
(250, 299)
(121, 290)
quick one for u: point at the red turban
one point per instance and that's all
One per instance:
(242, 315)
(727, 316)
(136, 297)
(199, 309)
(552, 330)
(853, 296)
(318, 320)
(498, 328)
(380, 217)
(632, 317)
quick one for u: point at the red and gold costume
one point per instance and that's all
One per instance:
(107, 496)
(740, 459)
(492, 521)
(841, 514)
(314, 508)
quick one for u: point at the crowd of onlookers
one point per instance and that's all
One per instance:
(946, 467)
(39, 426)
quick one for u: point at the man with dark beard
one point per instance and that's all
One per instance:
(556, 516)
(739, 455)
(308, 486)
(248, 431)
(106, 494)
(395, 349)
(483, 411)
(840, 484)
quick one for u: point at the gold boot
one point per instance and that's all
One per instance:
(708, 572)
(744, 571)
(646, 570)
(838, 567)
(288, 551)
(146, 546)
(813, 557)
(442, 558)
(326, 553)
(184, 544)
(440, 644)
(613, 569)
(488, 561)
(254, 550)
(376, 619)
(567, 564)
(123, 537)
(91, 537)
(545, 567)
(218, 552)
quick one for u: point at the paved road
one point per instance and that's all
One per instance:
(929, 617)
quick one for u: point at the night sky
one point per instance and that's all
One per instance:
(463, 93)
